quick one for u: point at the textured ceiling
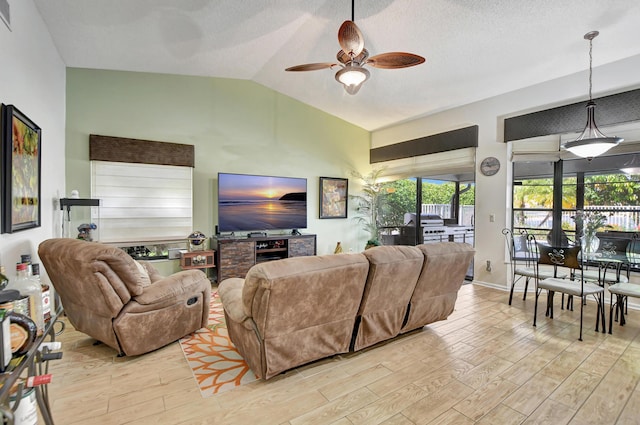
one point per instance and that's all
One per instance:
(475, 49)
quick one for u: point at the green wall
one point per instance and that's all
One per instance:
(236, 126)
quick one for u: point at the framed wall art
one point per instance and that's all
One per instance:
(21, 168)
(333, 197)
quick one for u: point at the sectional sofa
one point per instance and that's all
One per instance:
(290, 312)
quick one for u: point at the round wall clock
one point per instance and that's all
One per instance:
(489, 166)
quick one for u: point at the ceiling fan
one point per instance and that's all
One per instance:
(353, 57)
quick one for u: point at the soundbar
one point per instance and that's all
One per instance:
(257, 234)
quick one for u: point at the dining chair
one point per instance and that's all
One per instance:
(611, 257)
(622, 291)
(522, 260)
(633, 261)
(633, 253)
(567, 257)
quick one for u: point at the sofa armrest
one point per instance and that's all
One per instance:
(182, 284)
(230, 291)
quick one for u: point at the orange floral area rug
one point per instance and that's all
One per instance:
(216, 364)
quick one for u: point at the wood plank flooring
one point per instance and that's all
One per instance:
(486, 364)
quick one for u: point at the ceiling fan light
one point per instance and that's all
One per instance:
(352, 78)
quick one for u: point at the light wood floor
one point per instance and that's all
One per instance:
(486, 364)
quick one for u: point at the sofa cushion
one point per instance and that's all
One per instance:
(152, 272)
(297, 310)
(143, 279)
(393, 273)
(294, 293)
(443, 272)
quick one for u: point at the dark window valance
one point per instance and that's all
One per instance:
(442, 142)
(120, 149)
(610, 110)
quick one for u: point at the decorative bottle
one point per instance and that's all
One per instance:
(27, 287)
(4, 280)
(46, 292)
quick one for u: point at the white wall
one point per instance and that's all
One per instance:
(493, 193)
(32, 78)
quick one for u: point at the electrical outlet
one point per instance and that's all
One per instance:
(488, 265)
(492, 218)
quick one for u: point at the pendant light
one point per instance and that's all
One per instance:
(591, 142)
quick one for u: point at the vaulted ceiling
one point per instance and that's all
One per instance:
(474, 49)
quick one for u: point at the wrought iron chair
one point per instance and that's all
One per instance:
(611, 257)
(568, 257)
(522, 260)
(623, 289)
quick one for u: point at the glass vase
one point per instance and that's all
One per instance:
(590, 244)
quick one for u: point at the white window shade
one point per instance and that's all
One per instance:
(142, 202)
(458, 161)
(543, 149)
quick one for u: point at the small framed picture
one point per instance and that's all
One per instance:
(21, 177)
(333, 197)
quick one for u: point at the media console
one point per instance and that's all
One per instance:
(237, 255)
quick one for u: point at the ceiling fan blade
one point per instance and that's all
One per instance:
(350, 38)
(394, 60)
(311, 66)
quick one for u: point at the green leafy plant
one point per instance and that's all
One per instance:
(368, 204)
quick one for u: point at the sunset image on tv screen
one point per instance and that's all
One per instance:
(249, 202)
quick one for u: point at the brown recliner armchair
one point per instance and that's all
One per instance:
(123, 303)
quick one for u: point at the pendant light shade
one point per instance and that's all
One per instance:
(592, 142)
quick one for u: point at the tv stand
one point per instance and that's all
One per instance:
(237, 255)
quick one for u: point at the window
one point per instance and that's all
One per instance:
(605, 185)
(616, 195)
(142, 202)
(533, 205)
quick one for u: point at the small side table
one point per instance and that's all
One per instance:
(203, 260)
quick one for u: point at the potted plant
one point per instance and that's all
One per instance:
(368, 204)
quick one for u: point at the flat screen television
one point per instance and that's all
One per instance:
(250, 202)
